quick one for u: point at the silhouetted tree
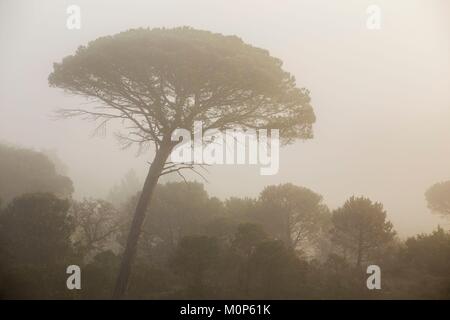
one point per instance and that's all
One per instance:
(247, 236)
(360, 228)
(160, 80)
(97, 225)
(27, 171)
(430, 252)
(36, 229)
(438, 198)
(35, 246)
(293, 214)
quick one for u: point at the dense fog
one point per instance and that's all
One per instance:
(373, 136)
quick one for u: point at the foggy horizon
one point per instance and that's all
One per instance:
(381, 98)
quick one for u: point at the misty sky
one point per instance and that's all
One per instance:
(381, 97)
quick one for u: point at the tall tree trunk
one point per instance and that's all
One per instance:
(139, 214)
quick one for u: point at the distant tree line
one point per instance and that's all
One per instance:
(286, 243)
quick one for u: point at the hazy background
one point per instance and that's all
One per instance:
(381, 97)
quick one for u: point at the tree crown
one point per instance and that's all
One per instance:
(159, 80)
(438, 198)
